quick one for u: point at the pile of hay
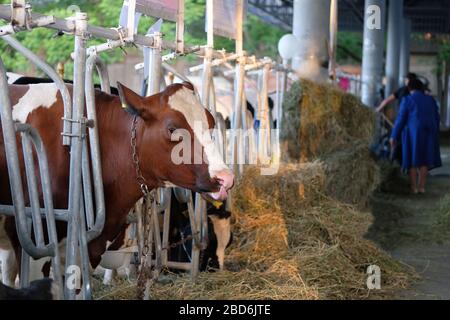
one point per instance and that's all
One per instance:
(291, 241)
(299, 234)
(325, 123)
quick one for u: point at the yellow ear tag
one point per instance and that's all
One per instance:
(216, 204)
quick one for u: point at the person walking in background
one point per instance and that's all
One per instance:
(399, 94)
(418, 125)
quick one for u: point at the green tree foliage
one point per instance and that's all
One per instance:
(349, 47)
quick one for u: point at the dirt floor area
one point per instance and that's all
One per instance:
(410, 228)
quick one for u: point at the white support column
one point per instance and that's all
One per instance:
(405, 50)
(311, 25)
(393, 46)
(373, 50)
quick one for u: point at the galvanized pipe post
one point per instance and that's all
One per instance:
(153, 87)
(75, 180)
(239, 113)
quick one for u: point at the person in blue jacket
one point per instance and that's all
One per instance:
(418, 125)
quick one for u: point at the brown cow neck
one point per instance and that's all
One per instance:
(122, 189)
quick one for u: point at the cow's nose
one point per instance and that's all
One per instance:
(226, 179)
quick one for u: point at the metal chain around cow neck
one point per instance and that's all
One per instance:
(145, 275)
(135, 157)
(144, 270)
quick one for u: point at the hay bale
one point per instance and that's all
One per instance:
(321, 119)
(324, 123)
(352, 175)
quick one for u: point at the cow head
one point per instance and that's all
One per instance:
(174, 141)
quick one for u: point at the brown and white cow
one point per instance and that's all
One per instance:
(158, 117)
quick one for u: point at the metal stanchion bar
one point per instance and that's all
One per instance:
(75, 181)
(50, 213)
(95, 62)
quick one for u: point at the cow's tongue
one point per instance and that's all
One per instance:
(220, 195)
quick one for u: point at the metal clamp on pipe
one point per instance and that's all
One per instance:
(157, 40)
(110, 44)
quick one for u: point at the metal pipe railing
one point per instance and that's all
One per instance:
(68, 26)
(8, 210)
(49, 210)
(95, 228)
(32, 190)
(239, 114)
(12, 159)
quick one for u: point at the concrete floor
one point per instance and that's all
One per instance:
(405, 227)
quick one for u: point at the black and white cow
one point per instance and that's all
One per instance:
(219, 234)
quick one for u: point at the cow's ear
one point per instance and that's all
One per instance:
(131, 101)
(188, 85)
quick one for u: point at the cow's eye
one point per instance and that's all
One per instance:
(172, 130)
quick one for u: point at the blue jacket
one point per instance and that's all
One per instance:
(418, 124)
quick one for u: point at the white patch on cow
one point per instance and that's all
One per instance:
(120, 258)
(222, 230)
(187, 103)
(38, 95)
